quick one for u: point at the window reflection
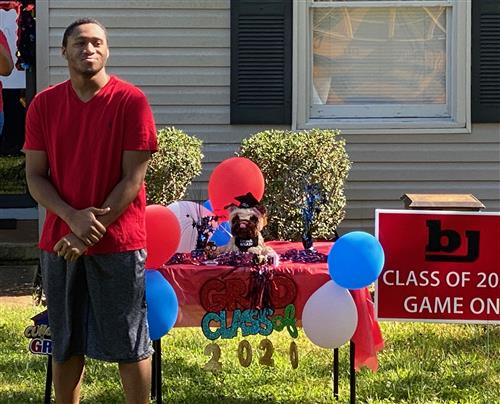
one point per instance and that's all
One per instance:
(381, 55)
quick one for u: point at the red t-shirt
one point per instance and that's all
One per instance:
(5, 44)
(84, 142)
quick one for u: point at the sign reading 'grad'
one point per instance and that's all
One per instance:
(439, 266)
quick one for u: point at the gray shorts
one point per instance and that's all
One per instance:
(97, 306)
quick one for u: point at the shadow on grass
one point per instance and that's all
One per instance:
(204, 387)
(20, 397)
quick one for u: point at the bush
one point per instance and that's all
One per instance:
(289, 161)
(173, 167)
(13, 175)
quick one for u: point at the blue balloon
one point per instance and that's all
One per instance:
(222, 235)
(355, 260)
(208, 205)
(162, 304)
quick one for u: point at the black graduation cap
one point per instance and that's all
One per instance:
(247, 201)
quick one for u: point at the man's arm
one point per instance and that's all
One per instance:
(134, 166)
(82, 222)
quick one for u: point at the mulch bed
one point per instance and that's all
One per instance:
(16, 280)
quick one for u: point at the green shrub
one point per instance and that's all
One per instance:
(289, 161)
(173, 167)
(13, 175)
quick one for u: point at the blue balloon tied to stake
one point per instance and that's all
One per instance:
(222, 234)
(162, 304)
(356, 260)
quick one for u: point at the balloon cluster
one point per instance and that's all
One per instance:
(330, 316)
(233, 177)
(184, 226)
(163, 234)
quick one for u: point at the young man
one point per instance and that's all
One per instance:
(88, 142)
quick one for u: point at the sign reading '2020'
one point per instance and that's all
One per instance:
(439, 266)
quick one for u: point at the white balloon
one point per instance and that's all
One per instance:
(188, 213)
(330, 317)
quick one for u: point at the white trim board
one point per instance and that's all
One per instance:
(19, 213)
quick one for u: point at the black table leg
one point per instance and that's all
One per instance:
(336, 373)
(157, 347)
(48, 380)
(352, 351)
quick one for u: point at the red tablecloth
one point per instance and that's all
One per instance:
(202, 288)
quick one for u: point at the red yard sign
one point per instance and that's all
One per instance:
(439, 266)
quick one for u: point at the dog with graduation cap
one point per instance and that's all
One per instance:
(247, 219)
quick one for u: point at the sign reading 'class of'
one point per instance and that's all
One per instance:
(440, 266)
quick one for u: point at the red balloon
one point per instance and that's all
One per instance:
(163, 234)
(234, 177)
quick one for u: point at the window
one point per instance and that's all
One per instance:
(381, 65)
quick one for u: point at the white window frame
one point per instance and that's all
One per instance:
(458, 74)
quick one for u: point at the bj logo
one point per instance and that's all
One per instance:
(448, 241)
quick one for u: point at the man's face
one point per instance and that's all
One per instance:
(86, 50)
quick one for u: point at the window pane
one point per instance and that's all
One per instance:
(383, 55)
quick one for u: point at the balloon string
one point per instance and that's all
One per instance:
(227, 232)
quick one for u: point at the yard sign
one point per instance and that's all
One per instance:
(440, 266)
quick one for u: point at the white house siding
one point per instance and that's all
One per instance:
(178, 52)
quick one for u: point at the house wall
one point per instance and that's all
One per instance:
(178, 52)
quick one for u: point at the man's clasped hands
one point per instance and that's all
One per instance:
(86, 231)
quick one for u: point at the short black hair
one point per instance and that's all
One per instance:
(81, 21)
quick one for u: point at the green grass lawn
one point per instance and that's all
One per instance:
(422, 363)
